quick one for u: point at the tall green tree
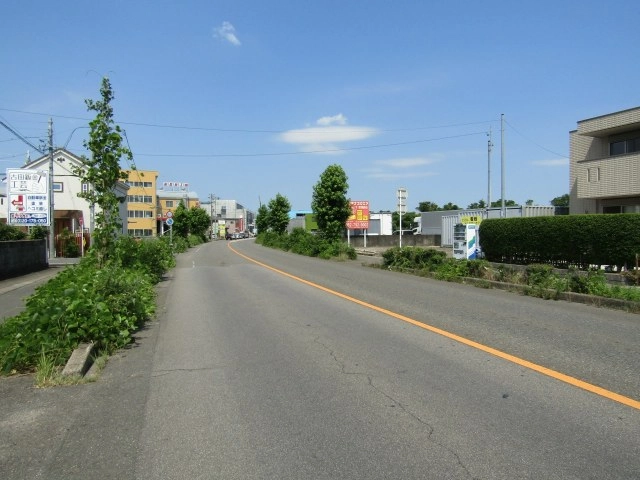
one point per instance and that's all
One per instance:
(181, 221)
(102, 172)
(278, 217)
(450, 206)
(262, 219)
(428, 207)
(330, 204)
(408, 221)
(561, 201)
(507, 203)
(478, 204)
(199, 222)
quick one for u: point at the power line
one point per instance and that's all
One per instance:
(307, 152)
(535, 143)
(244, 130)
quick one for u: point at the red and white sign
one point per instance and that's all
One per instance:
(17, 201)
(28, 197)
(359, 219)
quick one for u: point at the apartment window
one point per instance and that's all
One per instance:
(169, 203)
(139, 214)
(593, 174)
(139, 198)
(139, 184)
(624, 146)
(140, 232)
(613, 209)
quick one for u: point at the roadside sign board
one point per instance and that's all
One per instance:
(359, 219)
(169, 221)
(28, 197)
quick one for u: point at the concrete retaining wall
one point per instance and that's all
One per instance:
(22, 256)
(393, 241)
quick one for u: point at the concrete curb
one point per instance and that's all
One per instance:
(80, 361)
(572, 297)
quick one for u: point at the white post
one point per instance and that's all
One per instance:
(502, 174)
(52, 208)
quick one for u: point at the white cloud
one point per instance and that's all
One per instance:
(406, 162)
(400, 168)
(399, 175)
(327, 136)
(559, 162)
(339, 119)
(323, 135)
(227, 32)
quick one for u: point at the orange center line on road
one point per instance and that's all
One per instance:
(616, 397)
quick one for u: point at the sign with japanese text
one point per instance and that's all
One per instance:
(359, 219)
(28, 197)
(466, 219)
(175, 186)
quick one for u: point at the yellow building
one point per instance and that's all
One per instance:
(142, 203)
(169, 197)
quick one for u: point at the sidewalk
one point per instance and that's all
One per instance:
(55, 266)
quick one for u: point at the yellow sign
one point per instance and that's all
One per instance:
(466, 219)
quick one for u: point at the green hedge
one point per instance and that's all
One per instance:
(563, 241)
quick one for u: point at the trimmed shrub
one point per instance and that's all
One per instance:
(563, 241)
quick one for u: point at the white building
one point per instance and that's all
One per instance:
(71, 212)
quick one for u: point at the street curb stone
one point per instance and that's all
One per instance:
(80, 360)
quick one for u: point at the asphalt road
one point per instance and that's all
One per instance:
(250, 373)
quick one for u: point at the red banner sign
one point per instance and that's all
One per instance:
(359, 219)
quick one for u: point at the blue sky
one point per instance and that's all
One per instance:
(247, 99)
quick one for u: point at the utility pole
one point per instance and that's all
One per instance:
(489, 147)
(52, 210)
(212, 208)
(503, 212)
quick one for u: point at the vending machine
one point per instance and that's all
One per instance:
(465, 241)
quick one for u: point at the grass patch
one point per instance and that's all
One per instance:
(537, 280)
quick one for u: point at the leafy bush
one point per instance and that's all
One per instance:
(304, 243)
(153, 256)
(336, 249)
(9, 232)
(414, 258)
(178, 244)
(70, 248)
(539, 275)
(81, 304)
(194, 240)
(452, 270)
(38, 232)
(274, 240)
(89, 302)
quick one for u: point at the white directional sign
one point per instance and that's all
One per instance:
(28, 197)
